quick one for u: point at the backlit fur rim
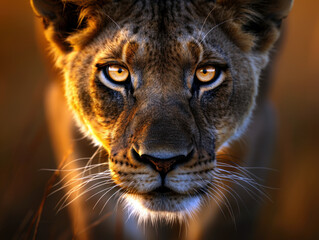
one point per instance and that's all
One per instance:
(143, 215)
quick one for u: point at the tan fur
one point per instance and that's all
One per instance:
(163, 113)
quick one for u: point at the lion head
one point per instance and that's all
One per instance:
(162, 85)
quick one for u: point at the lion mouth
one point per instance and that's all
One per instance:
(162, 205)
(164, 200)
(162, 191)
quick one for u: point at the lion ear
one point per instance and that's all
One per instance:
(65, 19)
(260, 18)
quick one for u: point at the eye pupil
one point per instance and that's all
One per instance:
(120, 70)
(205, 71)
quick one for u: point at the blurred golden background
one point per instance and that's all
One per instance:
(25, 144)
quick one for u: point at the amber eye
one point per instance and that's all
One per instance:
(207, 74)
(117, 73)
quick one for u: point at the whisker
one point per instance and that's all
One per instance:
(93, 156)
(76, 188)
(228, 20)
(226, 201)
(108, 190)
(75, 160)
(67, 196)
(73, 169)
(250, 182)
(201, 29)
(245, 169)
(109, 200)
(217, 201)
(117, 25)
(97, 193)
(230, 191)
(76, 178)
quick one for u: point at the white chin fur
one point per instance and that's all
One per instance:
(186, 208)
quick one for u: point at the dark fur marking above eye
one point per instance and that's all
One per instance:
(256, 27)
(195, 51)
(136, 29)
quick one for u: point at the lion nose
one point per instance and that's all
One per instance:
(163, 165)
(163, 143)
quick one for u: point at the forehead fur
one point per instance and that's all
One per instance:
(250, 24)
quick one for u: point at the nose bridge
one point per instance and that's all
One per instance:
(164, 129)
(165, 138)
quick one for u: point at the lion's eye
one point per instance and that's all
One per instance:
(207, 74)
(116, 73)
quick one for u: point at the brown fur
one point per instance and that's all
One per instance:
(163, 112)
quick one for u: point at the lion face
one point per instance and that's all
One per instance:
(148, 104)
(162, 87)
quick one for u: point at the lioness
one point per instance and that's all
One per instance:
(168, 89)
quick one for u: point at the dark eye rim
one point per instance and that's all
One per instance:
(103, 67)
